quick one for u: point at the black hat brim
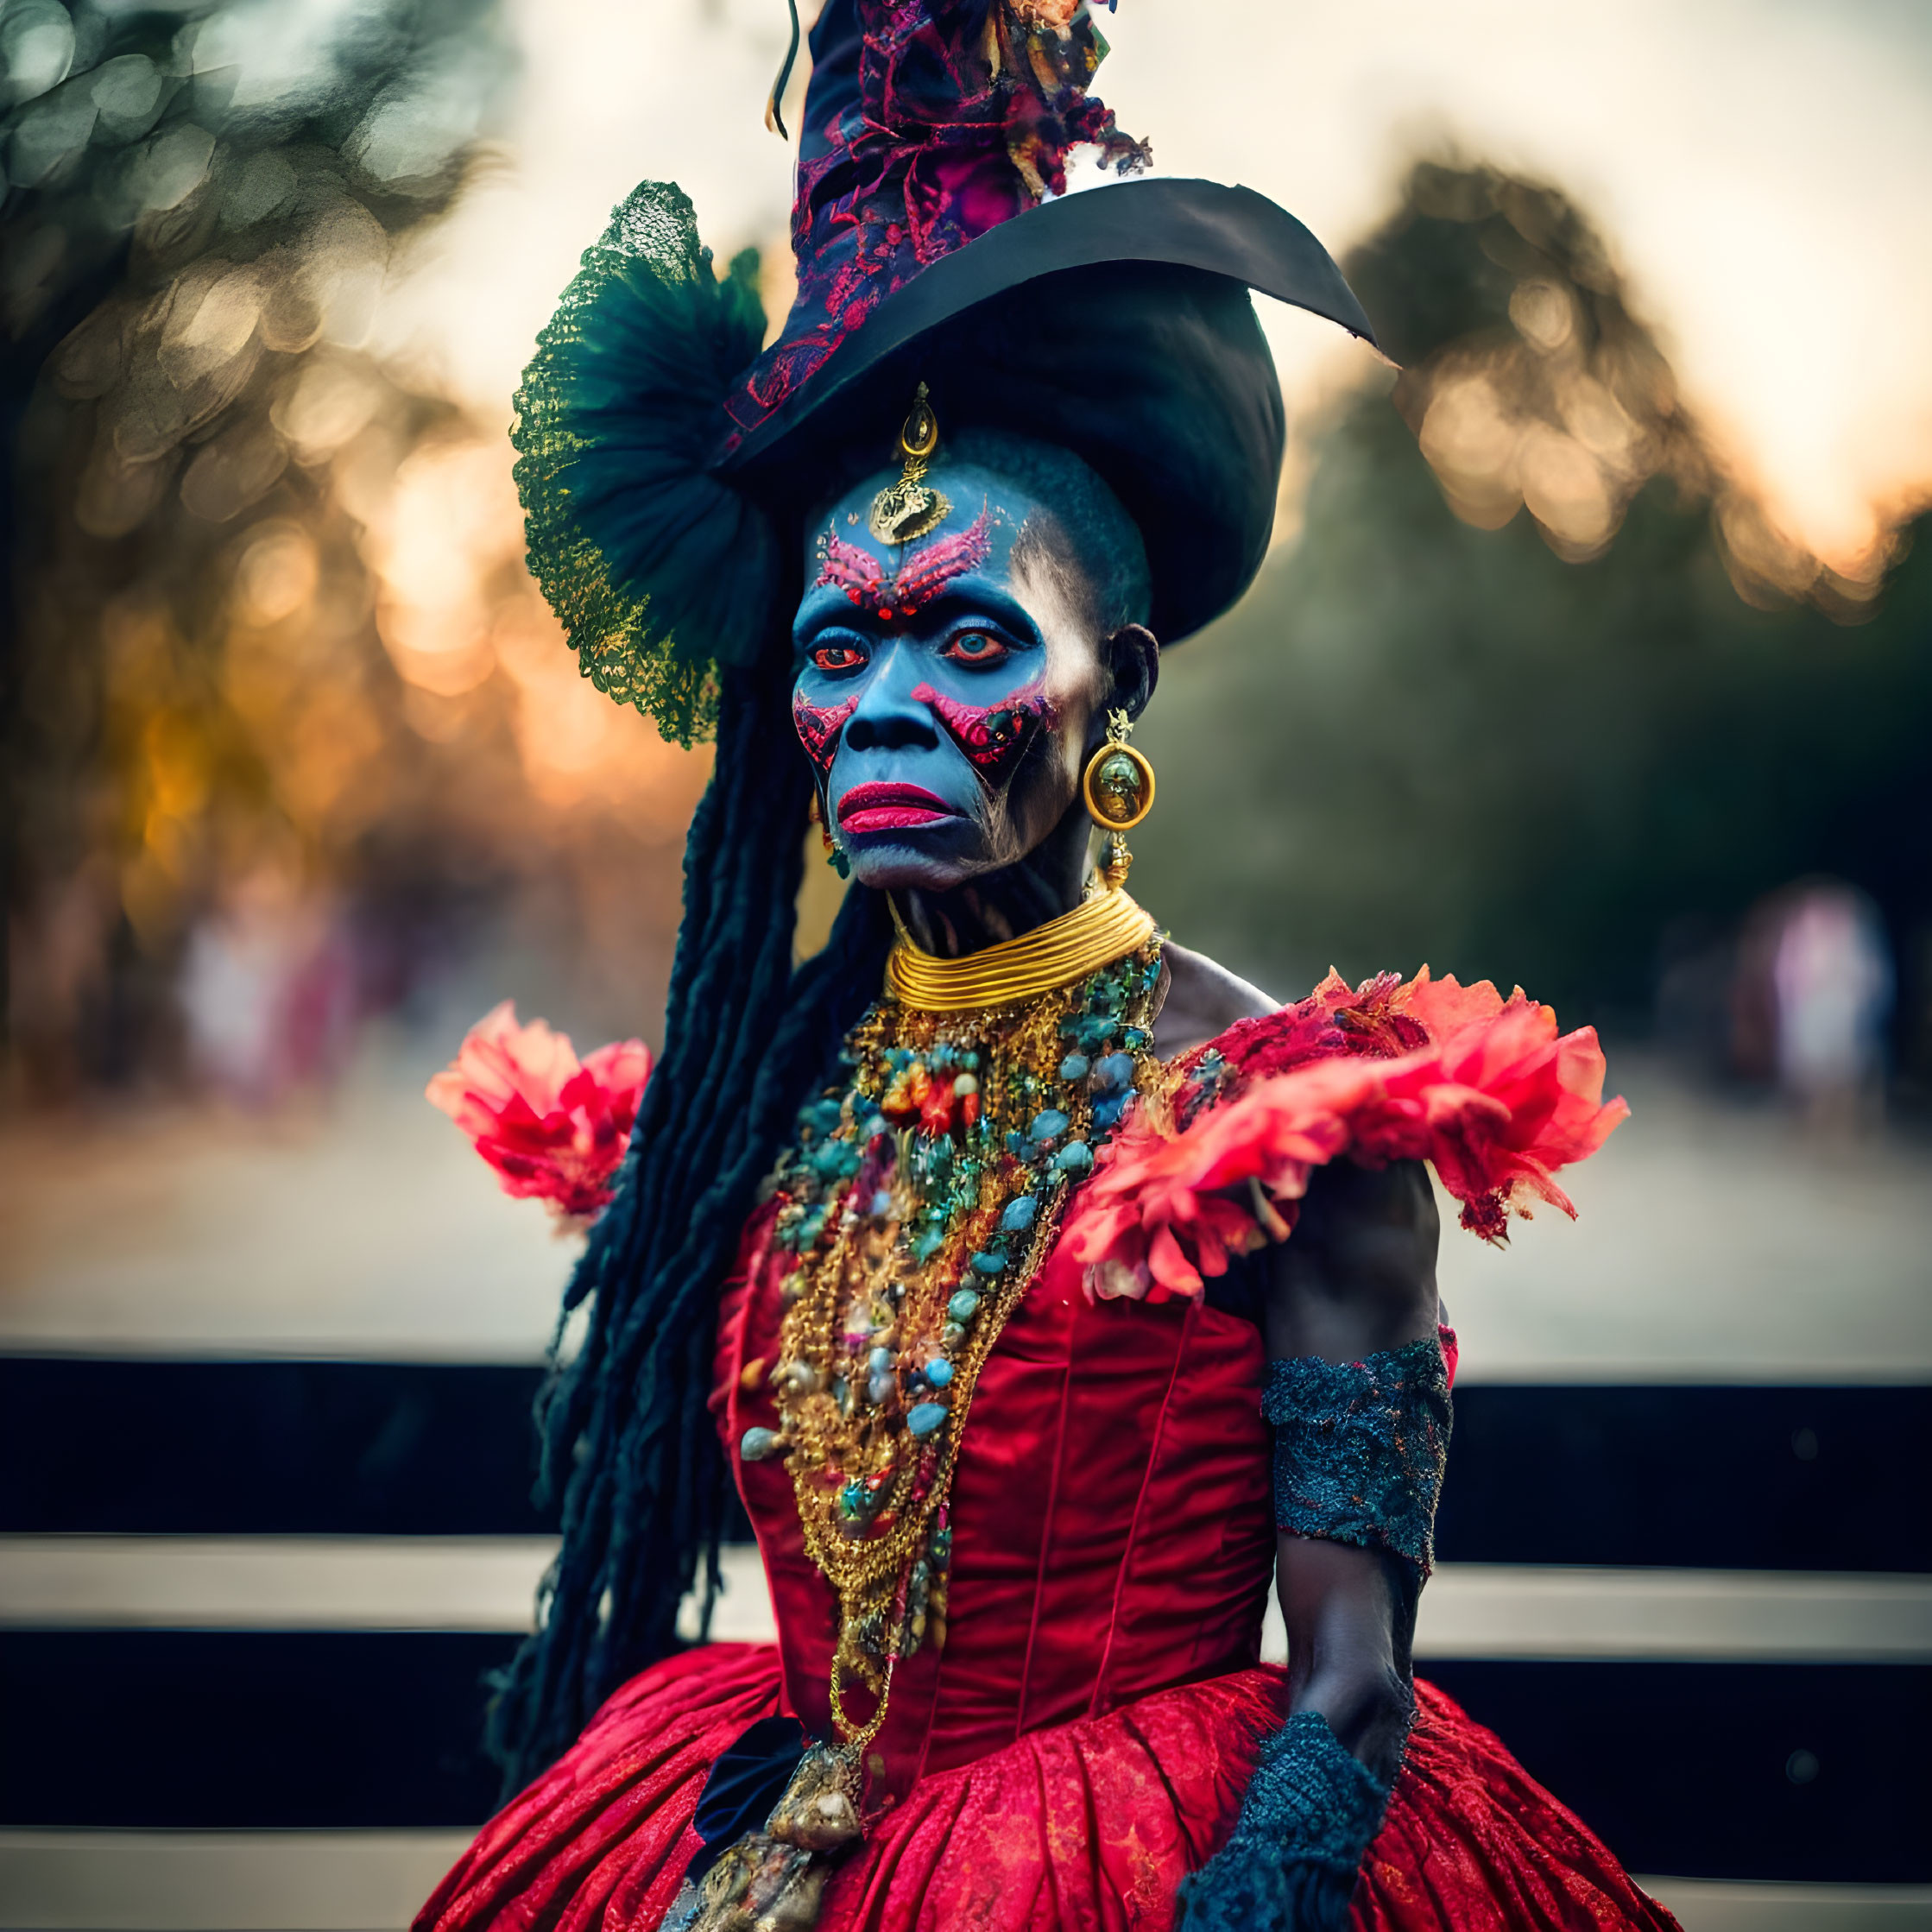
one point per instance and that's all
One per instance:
(1115, 322)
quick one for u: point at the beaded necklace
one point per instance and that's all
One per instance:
(922, 1196)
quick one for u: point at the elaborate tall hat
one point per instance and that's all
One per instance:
(667, 459)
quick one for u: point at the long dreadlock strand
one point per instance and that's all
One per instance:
(624, 1429)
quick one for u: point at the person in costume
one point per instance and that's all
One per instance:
(1042, 1289)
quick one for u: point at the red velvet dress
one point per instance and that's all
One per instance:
(1083, 1738)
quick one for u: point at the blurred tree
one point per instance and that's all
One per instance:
(201, 203)
(1537, 693)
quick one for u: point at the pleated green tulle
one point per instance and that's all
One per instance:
(660, 570)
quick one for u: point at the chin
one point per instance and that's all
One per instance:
(899, 869)
(906, 865)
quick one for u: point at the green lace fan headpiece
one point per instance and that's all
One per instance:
(659, 569)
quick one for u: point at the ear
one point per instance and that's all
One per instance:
(1132, 656)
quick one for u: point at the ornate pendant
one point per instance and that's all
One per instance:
(910, 508)
(772, 1880)
(905, 511)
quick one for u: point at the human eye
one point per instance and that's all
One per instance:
(979, 648)
(836, 657)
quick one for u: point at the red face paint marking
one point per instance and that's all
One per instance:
(818, 727)
(920, 578)
(848, 568)
(992, 735)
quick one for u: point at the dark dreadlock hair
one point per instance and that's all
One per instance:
(624, 1429)
(623, 1426)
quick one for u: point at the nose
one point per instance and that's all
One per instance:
(888, 717)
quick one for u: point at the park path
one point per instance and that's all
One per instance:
(1716, 1241)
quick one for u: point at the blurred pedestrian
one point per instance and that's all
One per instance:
(267, 989)
(1833, 986)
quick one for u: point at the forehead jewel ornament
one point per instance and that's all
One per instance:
(909, 508)
(1118, 789)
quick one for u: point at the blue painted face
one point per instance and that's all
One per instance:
(946, 690)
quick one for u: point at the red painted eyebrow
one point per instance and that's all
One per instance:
(917, 582)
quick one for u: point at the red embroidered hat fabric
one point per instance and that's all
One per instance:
(924, 128)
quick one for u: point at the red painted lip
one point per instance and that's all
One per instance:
(889, 808)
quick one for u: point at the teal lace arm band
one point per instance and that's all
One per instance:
(1359, 1448)
(1290, 1862)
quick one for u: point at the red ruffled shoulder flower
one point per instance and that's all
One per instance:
(553, 1128)
(1214, 1164)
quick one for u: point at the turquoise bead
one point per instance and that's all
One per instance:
(880, 1361)
(1019, 1214)
(1113, 1073)
(927, 1245)
(1049, 1125)
(989, 1264)
(836, 1160)
(963, 1305)
(757, 1443)
(1074, 1067)
(924, 1418)
(1075, 1158)
(939, 1372)
(1091, 1029)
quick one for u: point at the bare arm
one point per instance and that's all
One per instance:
(1357, 1277)
(1355, 1282)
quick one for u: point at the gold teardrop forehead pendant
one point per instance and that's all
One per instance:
(910, 508)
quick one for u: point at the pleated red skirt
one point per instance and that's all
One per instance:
(1084, 1827)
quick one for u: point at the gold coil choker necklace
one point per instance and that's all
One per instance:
(1095, 933)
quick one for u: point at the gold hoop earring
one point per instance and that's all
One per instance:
(1118, 788)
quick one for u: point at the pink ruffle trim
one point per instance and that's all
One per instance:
(553, 1128)
(1483, 1088)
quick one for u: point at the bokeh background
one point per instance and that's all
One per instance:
(1595, 653)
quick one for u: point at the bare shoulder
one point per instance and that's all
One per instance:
(1203, 999)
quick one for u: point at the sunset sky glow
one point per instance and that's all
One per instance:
(1757, 165)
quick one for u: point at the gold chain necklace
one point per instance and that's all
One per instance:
(872, 1476)
(922, 1195)
(922, 1198)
